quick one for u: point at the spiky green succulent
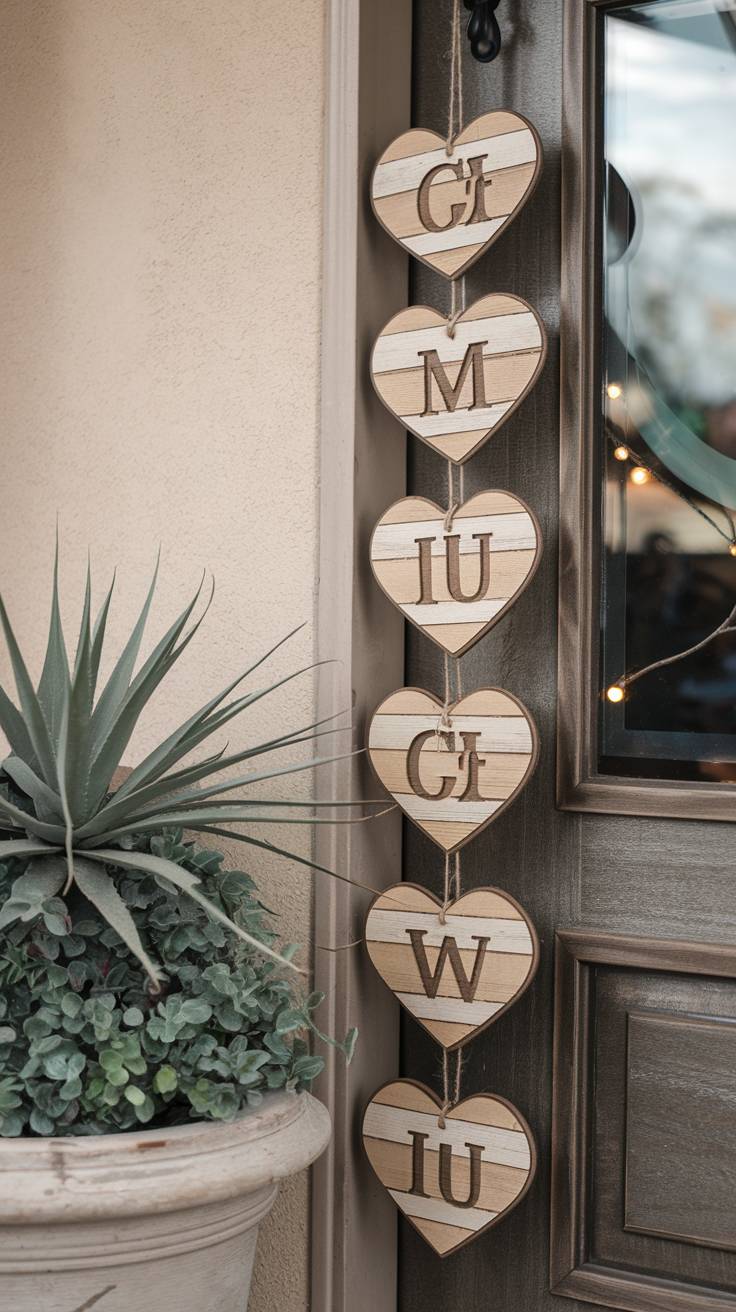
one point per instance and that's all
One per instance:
(67, 743)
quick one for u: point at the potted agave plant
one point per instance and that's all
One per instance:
(154, 1054)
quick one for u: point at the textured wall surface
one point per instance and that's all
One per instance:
(159, 272)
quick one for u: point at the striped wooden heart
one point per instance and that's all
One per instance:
(455, 1176)
(447, 209)
(454, 583)
(458, 976)
(453, 774)
(454, 387)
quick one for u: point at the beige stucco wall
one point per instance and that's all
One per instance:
(160, 282)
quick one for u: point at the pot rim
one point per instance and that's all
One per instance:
(183, 1166)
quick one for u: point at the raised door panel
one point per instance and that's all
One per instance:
(644, 1125)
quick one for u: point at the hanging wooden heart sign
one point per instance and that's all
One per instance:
(455, 1176)
(454, 581)
(454, 385)
(458, 974)
(454, 773)
(446, 209)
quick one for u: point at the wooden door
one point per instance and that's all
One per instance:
(644, 1097)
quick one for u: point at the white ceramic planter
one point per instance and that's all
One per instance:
(164, 1220)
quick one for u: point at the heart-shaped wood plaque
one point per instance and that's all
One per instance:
(453, 774)
(456, 977)
(452, 1183)
(454, 386)
(447, 209)
(454, 583)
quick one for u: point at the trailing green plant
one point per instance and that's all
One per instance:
(87, 1048)
(67, 744)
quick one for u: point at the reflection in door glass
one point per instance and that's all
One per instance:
(669, 386)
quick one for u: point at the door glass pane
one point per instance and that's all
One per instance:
(668, 386)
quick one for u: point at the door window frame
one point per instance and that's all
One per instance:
(580, 786)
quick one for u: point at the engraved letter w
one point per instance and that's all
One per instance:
(431, 982)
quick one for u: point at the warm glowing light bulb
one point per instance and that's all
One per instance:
(615, 693)
(639, 475)
(732, 549)
(621, 453)
(614, 391)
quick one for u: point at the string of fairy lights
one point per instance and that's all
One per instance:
(641, 473)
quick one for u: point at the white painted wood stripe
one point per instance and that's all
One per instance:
(514, 532)
(505, 935)
(450, 423)
(453, 1009)
(436, 1209)
(503, 152)
(497, 733)
(455, 239)
(503, 333)
(450, 810)
(504, 1147)
(454, 612)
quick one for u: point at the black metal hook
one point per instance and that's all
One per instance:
(484, 33)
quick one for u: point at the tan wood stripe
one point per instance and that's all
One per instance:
(480, 902)
(506, 376)
(487, 702)
(458, 446)
(410, 1097)
(452, 810)
(448, 1034)
(393, 1162)
(399, 211)
(499, 775)
(443, 1238)
(501, 977)
(451, 262)
(419, 140)
(416, 317)
(454, 637)
(400, 577)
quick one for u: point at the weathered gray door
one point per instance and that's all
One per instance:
(645, 1129)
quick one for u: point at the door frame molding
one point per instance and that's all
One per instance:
(362, 470)
(579, 785)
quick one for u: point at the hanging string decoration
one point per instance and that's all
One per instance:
(454, 576)
(455, 966)
(454, 382)
(453, 1172)
(453, 769)
(454, 1166)
(446, 207)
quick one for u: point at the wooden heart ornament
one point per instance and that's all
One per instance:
(452, 1183)
(447, 209)
(455, 977)
(454, 582)
(453, 386)
(453, 774)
